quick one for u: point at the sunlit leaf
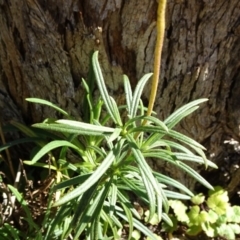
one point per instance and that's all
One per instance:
(137, 94)
(224, 230)
(213, 217)
(208, 229)
(198, 199)
(103, 90)
(180, 210)
(128, 92)
(233, 214)
(182, 112)
(87, 127)
(218, 202)
(154, 220)
(193, 215)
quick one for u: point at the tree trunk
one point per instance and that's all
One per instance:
(45, 49)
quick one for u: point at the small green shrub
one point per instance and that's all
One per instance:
(214, 215)
(101, 164)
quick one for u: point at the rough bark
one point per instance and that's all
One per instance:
(45, 48)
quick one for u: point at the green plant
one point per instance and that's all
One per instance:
(110, 164)
(214, 216)
(101, 164)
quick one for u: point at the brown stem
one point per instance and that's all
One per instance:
(9, 161)
(158, 53)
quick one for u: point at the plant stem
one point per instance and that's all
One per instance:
(158, 53)
(9, 161)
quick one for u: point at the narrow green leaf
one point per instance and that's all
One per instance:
(84, 204)
(97, 110)
(47, 103)
(99, 207)
(14, 232)
(177, 146)
(65, 226)
(93, 210)
(193, 158)
(95, 229)
(86, 126)
(73, 181)
(138, 225)
(26, 130)
(115, 135)
(89, 182)
(113, 198)
(102, 87)
(42, 165)
(19, 141)
(158, 144)
(189, 141)
(150, 119)
(59, 217)
(150, 193)
(182, 112)
(195, 175)
(65, 165)
(170, 181)
(148, 129)
(112, 223)
(148, 173)
(52, 145)
(130, 219)
(157, 122)
(181, 165)
(87, 103)
(146, 169)
(137, 94)
(167, 219)
(24, 205)
(127, 203)
(128, 92)
(176, 195)
(64, 128)
(85, 85)
(116, 111)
